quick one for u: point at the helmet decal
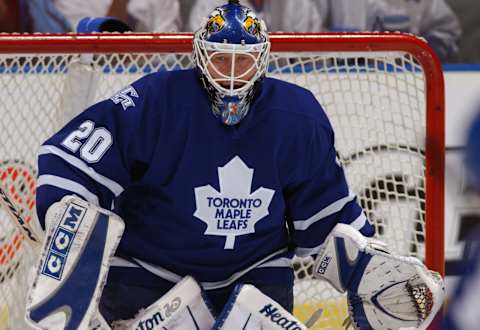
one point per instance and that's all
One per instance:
(252, 25)
(216, 21)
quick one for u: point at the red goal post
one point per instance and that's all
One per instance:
(395, 80)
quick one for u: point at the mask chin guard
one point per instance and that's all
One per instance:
(232, 110)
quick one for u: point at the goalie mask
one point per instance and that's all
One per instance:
(231, 52)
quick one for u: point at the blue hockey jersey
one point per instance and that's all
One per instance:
(199, 197)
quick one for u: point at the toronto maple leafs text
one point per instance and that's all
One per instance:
(233, 213)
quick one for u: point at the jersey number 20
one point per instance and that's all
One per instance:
(92, 142)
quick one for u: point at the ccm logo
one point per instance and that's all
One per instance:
(322, 267)
(62, 241)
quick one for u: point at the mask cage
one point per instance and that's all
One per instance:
(204, 51)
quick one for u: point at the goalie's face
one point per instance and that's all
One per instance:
(231, 68)
(232, 71)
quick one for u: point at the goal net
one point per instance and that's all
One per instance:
(382, 92)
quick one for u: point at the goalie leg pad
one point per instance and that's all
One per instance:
(81, 239)
(384, 291)
(248, 308)
(184, 307)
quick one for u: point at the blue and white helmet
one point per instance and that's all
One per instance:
(231, 51)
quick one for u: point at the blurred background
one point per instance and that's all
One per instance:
(453, 23)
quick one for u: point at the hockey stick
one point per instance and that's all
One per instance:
(18, 220)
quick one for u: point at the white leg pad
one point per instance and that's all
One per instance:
(248, 308)
(81, 239)
(184, 307)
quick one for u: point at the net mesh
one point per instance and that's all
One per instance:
(375, 101)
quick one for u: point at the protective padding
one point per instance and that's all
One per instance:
(384, 291)
(184, 307)
(248, 308)
(81, 239)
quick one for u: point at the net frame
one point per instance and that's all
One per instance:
(298, 43)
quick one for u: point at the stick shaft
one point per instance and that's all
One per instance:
(18, 220)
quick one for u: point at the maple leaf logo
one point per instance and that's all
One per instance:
(233, 211)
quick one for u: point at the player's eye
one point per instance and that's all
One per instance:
(220, 58)
(242, 59)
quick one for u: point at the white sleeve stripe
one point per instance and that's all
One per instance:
(325, 212)
(280, 262)
(114, 187)
(69, 185)
(359, 222)
(306, 252)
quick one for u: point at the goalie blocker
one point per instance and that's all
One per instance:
(81, 239)
(384, 291)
